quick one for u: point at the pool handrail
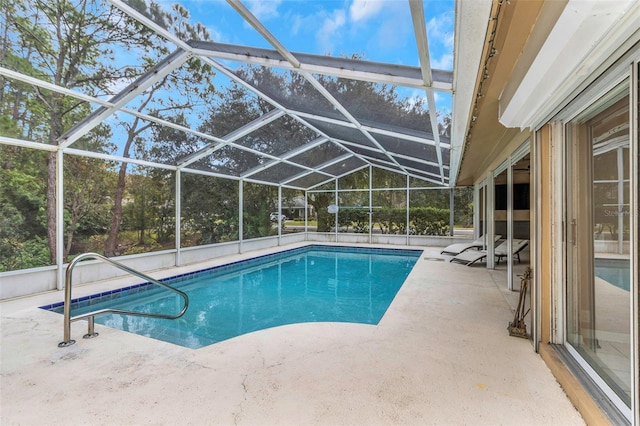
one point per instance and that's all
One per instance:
(90, 315)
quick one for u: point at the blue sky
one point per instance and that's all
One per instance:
(380, 30)
(377, 30)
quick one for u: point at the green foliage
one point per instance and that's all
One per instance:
(429, 221)
(377, 102)
(423, 220)
(22, 209)
(258, 202)
(387, 179)
(209, 210)
(320, 202)
(87, 183)
(357, 219)
(23, 254)
(391, 220)
(356, 180)
(463, 207)
(121, 208)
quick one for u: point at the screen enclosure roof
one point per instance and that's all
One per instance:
(314, 118)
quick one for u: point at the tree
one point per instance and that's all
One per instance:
(320, 202)
(183, 90)
(22, 208)
(210, 208)
(86, 187)
(258, 201)
(71, 44)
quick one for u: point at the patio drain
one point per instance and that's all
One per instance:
(434, 259)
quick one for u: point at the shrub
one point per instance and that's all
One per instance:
(429, 221)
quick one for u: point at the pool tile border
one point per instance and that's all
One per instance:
(132, 289)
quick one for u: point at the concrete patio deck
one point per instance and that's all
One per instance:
(441, 355)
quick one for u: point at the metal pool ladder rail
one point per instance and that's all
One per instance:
(90, 316)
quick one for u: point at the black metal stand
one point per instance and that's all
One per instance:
(518, 327)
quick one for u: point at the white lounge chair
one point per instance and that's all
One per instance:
(518, 246)
(471, 257)
(457, 248)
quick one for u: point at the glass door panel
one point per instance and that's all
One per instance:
(520, 229)
(598, 243)
(500, 214)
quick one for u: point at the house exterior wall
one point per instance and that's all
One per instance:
(551, 302)
(559, 62)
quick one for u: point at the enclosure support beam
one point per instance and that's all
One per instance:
(291, 59)
(420, 30)
(233, 136)
(371, 128)
(451, 211)
(317, 142)
(375, 72)
(408, 204)
(477, 232)
(178, 214)
(27, 144)
(338, 212)
(306, 216)
(370, 204)
(285, 159)
(225, 71)
(510, 225)
(279, 215)
(240, 213)
(142, 83)
(337, 105)
(147, 22)
(319, 171)
(264, 32)
(490, 219)
(60, 218)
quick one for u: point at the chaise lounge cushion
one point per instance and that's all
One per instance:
(457, 248)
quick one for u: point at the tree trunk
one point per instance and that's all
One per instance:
(69, 243)
(116, 218)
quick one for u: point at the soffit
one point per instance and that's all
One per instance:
(486, 136)
(581, 37)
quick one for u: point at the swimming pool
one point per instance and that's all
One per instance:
(309, 284)
(614, 271)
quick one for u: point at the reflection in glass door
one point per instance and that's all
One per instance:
(598, 243)
(520, 228)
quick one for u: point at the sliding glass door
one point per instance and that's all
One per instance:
(598, 242)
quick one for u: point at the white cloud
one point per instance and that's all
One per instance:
(329, 28)
(216, 35)
(265, 10)
(361, 10)
(440, 30)
(391, 36)
(444, 62)
(296, 24)
(301, 24)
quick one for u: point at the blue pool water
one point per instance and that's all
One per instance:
(614, 271)
(310, 284)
